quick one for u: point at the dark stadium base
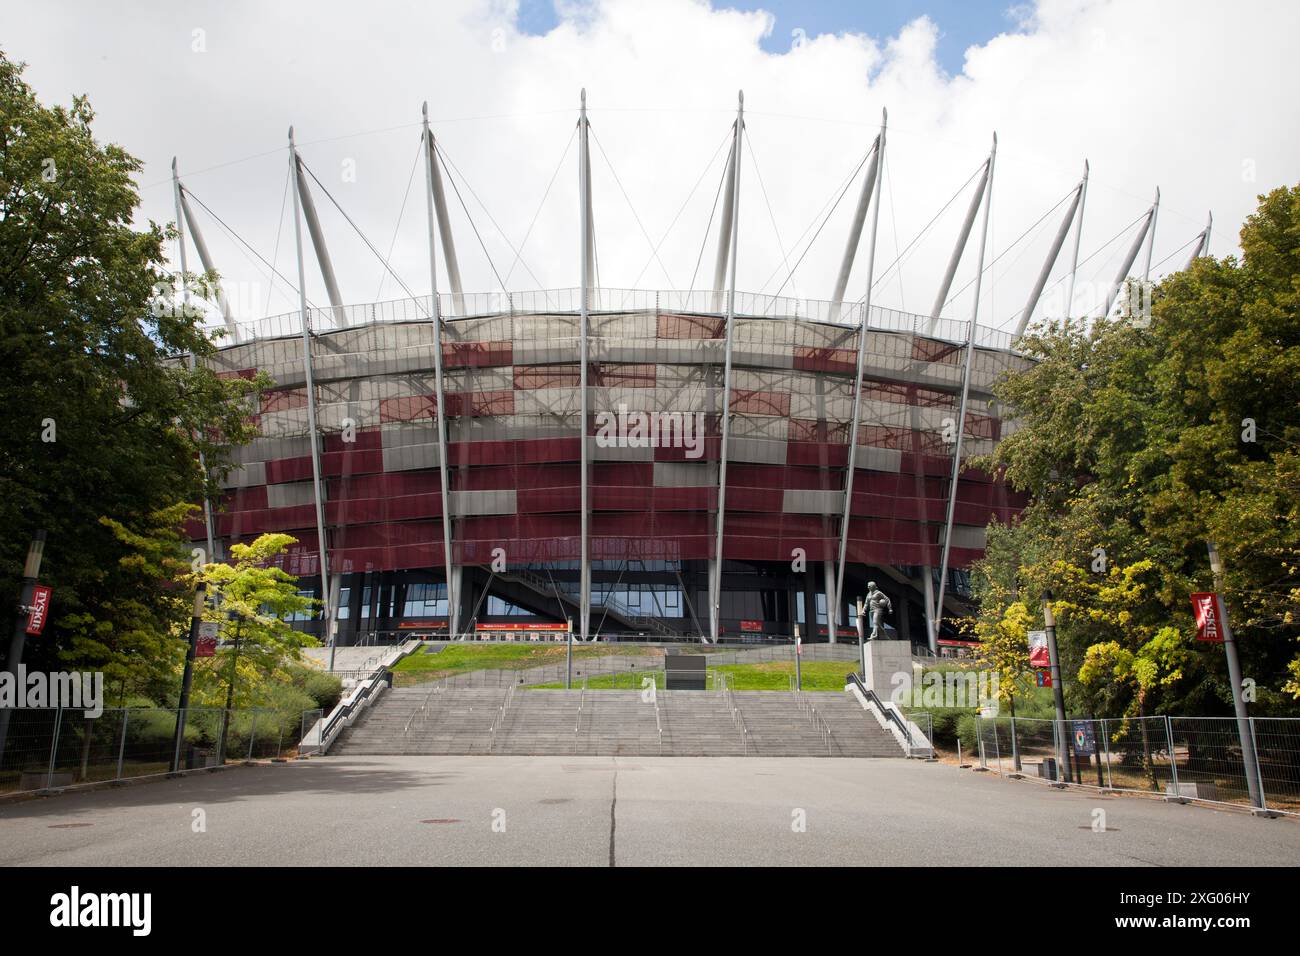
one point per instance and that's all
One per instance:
(762, 602)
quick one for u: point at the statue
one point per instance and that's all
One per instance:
(876, 604)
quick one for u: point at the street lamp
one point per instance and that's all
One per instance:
(1058, 692)
(1244, 729)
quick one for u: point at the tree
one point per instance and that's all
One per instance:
(105, 418)
(1139, 441)
(139, 641)
(253, 600)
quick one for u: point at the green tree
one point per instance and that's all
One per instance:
(105, 418)
(253, 602)
(1139, 441)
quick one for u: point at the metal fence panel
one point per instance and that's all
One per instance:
(1191, 758)
(51, 747)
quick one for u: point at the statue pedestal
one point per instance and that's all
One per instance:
(888, 667)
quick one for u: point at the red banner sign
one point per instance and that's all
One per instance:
(39, 610)
(1038, 656)
(1209, 617)
(752, 626)
(421, 625)
(515, 626)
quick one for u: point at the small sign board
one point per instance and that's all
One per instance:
(39, 609)
(206, 644)
(1038, 656)
(1044, 678)
(1085, 742)
(1209, 617)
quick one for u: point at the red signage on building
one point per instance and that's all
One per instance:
(1209, 617)
(421, 625)
(516, 626)
(39, 610)
(752, 626)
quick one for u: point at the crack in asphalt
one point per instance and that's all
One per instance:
(613, 804)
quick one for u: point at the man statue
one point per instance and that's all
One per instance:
(877, 603)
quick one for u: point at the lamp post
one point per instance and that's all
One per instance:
(862, 638)
(1058, 692)
(798, 653)
(187, 678)
(1234, 676)
(31, 571)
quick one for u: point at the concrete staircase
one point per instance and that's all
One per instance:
(460, 720)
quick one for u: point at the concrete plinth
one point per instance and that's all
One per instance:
(884, 660)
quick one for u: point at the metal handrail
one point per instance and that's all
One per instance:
(888, 713)
(497, 720)
(423, 704)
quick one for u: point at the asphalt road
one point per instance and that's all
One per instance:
(448, 811)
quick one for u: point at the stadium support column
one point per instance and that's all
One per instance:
(1151, 238)
(584, 307)
(870, 194)
(1078, 236)
(859, 219)
(185, 299)
(1050, 261)
(310, 385)
(439, 209)
(965, 392)
(1129, 259)
(431, 192)
(955, 259)
(931, 625)
(726, 226)
(303, 198)
(204, 256)
(733, 176)
(1202, 243)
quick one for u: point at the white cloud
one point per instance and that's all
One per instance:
(1179, 94)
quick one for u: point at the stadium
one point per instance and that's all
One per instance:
(706, 464)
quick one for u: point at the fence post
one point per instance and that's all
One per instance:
(121, 744)
(1105, 742)
(54, 748)
(1173, 758)
(252, 734)
(1259, 771)
(1015, 747)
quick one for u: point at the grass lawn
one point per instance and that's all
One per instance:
(462, 658)
(769, 675)
(775, 675)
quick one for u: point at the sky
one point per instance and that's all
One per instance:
(1186, 95)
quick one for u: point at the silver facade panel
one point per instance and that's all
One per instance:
(804, 501)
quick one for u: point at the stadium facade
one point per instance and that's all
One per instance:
(513, 445)
(701, 464)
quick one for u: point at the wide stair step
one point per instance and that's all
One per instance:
(481, 720)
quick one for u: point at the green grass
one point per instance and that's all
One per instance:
(769, 675)
(775, 675)
(462, 658)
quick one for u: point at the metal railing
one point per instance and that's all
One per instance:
(1183, 758)
(818, 721)
(749, 305)
(49, 748)
(889, 713)
(422, 712)
(499, 719)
